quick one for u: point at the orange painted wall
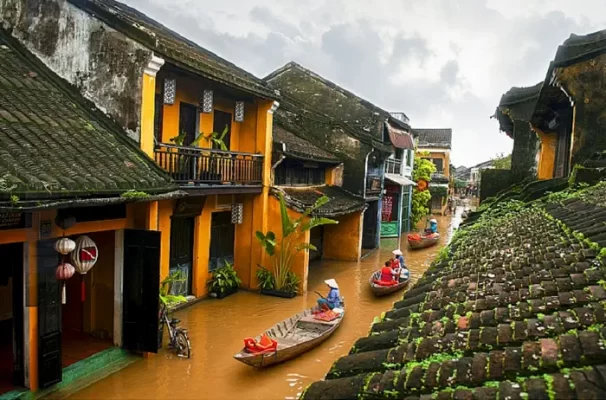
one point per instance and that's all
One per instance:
(547, 154)
(439, 154)
(300, 260)
(344, 240)
(189, 90)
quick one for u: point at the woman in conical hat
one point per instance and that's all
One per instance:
(333, 299)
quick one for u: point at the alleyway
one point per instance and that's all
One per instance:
(218, 327)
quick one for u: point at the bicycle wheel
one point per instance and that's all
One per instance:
(182, 345)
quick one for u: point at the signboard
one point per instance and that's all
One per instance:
(387, 209)
(14, 220)
(189, 206)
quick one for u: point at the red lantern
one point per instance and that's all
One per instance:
(84, 257)
(64, 272)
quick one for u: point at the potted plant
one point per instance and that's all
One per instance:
(216, 140)
(280, 280)
(168, 300)
(224, 281)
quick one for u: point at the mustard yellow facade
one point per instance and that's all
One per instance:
(253, 135)
(444, 156)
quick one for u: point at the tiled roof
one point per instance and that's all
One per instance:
(298, 147)
(400, 138)
(580, 47)
(341, 202)
(514, 309)
(520, 94)
(173, 46)
(299, 83)
(55, 144)
(434, 138)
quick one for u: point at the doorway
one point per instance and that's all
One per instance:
(371, 216)
(182, 253)
(11, 317)
(222, 238)
(220, 121)
(188, 121)
(316, 238)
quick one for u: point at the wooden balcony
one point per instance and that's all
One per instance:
(199, 168)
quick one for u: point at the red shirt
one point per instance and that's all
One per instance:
(386, 274)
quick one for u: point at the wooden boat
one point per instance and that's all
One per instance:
(295, 336)
(379, 290)
(423, 241)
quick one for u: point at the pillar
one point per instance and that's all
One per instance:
(148, 105)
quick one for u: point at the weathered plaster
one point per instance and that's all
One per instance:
(103, 64)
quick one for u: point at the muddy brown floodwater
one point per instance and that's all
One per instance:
(217, 327)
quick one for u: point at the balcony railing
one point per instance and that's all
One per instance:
(191, 166)
(393, 166)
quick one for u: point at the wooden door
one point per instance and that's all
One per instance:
(49, 315)
(561, 166)
(141, 293)
(222, 238)
(369, 227)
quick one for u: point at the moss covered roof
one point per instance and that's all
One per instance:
(513, 308)
(518, 103)
(580, 47)
(297, 147)
(55, 144)
(434, 138)
(341, 201)
(296, 82)
(173, 46)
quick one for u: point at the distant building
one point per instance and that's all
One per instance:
(435, 145)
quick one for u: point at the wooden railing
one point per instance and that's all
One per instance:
(190, 166)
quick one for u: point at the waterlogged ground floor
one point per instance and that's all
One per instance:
(217, 328)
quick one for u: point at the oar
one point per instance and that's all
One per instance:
(318, 293)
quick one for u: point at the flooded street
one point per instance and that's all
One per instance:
(217, 329)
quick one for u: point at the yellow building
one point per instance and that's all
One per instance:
(435, 145)
(68, 171)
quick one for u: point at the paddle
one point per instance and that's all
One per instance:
(318, 293)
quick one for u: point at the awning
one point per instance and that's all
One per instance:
(400, 138)
(400, 180)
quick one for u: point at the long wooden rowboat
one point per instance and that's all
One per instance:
(379, 290)
(295, 336)
(423, 242)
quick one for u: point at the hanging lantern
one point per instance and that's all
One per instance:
(239, 117)
(84, 257)
(237, 213)
(65, 246)
(64, 272)
(206, 102)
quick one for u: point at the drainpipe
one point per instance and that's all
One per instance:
(366, 172)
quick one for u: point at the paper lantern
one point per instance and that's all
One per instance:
(170, 91)
(237, 213)
(84, 257)
(239, 117)
(64, 271)
(65, 246)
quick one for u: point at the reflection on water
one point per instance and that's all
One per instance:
(217, 328)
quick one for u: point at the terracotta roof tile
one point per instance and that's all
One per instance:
(434, 138)
(400, 138)
(55, 144)
(514, 309)
(341, 201)
(298, 147)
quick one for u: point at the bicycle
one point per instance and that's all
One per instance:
(178, 339)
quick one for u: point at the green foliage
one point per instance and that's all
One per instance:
(439, 191)
(14, 200)
(223, 279)
(167, 299)
(501, 161)
(289, 243)
(216, 139)
(134, 195)
(265, 278)
(180, 139)
(422, 170)
(460, 184)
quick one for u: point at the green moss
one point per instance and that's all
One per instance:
(549, 383)
(14, 200)
(134, 195)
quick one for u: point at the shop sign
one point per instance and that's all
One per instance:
(15, 220)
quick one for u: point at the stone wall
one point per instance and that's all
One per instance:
(105, 65)
(493, 181)
(524, 154)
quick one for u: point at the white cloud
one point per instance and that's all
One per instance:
(445, 63)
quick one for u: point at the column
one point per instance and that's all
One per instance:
(148, 105)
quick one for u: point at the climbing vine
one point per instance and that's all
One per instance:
(420, 200)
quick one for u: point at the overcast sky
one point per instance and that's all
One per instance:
(445, 63)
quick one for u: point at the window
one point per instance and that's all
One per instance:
(410, 157)
(158, 117)
(439, 163)
(295, 174)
